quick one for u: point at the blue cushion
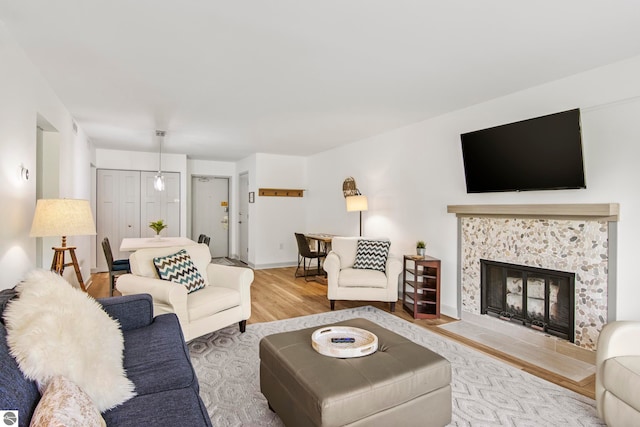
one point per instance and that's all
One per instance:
(6, 295)
(131, 311)
(16, 392)
(121, 267)
(181, 407)
(156, 357)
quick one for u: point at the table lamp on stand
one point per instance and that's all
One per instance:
(63, 217)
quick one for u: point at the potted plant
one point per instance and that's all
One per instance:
(420, 248)
(157, 226)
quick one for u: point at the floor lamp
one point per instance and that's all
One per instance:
(63, 217)
(357, 203)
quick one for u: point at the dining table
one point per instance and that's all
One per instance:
(131, 244)
(323, 240)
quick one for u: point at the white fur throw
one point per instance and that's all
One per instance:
(55, 329)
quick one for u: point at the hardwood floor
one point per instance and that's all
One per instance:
(277, 295)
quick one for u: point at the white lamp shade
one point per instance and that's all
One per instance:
(62, 217)
(357, 203)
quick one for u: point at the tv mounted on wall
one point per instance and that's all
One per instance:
(543, 153)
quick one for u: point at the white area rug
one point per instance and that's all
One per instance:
(486, 392)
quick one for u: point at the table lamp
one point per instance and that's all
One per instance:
(357, 203)
(63, 217)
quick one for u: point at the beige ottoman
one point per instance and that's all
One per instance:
(401, 384)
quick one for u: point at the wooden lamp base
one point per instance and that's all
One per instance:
(58, 263)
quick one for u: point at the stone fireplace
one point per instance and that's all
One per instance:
(573, 240)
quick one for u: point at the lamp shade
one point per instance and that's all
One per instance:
(357, 203)
(62, 217)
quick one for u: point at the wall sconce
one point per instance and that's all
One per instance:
(23, 172)
(349, 187)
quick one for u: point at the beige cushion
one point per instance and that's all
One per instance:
(63, 403)
(359, 278)
(211, 300)
(621, 376)
(141, 261)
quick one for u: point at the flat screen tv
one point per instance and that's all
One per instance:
(544, 153)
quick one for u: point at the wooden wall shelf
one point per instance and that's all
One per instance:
(280, 192)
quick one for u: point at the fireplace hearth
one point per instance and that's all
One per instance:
(538, 298)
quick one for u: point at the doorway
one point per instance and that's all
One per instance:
(243, 217)
(210, 212)
(47, 180)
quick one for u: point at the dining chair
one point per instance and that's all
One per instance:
(116, 267)
(304, 253)
(203, 238)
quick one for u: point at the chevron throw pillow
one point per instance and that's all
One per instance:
(178, 268)
(372, 254)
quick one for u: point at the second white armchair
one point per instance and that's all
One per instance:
(344, 282)
(224, 300)
(618, 374)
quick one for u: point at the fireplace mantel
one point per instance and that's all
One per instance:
(591, 211)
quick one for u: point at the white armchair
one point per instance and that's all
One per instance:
(618, 374)
(224, 300)
(354, 284)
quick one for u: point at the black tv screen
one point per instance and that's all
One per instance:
(544, 153)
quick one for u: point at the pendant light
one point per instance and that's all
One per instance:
(158, 180)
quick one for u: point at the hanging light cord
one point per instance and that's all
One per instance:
(160, 134)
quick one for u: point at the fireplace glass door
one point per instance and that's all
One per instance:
(537, 298)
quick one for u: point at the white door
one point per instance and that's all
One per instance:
(210, 212)
(243, 217)
(117, 211)
(156, 205)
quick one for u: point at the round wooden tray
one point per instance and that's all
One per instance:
(365, 343)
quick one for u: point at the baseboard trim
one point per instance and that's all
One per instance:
(272, 265)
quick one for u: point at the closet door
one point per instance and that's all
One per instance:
(117, 211)
(165, 205)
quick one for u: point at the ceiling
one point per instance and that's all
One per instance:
(229, 78)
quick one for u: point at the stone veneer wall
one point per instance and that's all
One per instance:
(574, 246)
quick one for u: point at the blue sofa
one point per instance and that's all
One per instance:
(156, 359)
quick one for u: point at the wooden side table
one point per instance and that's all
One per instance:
(421, 286)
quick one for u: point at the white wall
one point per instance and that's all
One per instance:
(25, 95)
(273, 220)
(411, 174)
